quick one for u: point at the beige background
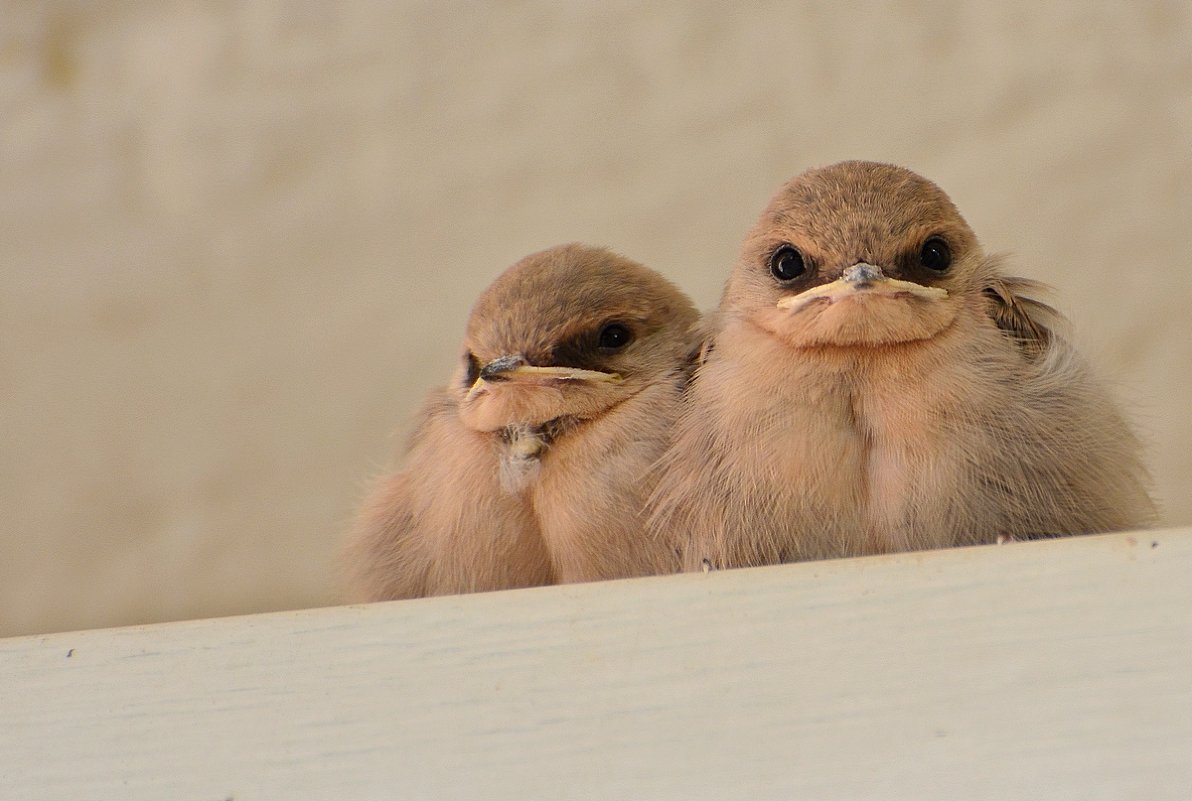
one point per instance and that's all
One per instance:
(238, 241)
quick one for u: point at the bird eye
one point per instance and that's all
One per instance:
(786, 264)
(935, 255)
(614, 336)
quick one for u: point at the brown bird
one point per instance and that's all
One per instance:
(532, 467)
(874, 383)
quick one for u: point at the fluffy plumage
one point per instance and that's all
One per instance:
(532, 467)
(874, 403)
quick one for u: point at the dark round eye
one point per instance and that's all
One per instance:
(787, 263)
(614, 336)
(935, 255)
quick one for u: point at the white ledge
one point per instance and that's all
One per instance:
(1044, 670)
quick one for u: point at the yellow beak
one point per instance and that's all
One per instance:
(514, 369)
(861, 279)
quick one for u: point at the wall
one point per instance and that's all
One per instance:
(240, 239)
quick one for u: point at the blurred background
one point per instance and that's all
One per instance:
(239, 240)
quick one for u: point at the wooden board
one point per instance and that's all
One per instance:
(1046, 670)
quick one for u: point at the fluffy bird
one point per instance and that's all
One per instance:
(873, 382)
(533, 466)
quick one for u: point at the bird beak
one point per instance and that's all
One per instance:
(514, 368)
(862, 278)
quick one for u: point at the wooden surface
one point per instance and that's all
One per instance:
(1047, 670)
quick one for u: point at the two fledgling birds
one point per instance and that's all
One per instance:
(870, 383)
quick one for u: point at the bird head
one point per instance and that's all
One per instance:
(569, 332)
(857, 254)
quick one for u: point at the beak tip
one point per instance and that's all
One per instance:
(861, 273)
(501, 364)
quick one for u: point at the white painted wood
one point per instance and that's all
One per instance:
(1046, 670)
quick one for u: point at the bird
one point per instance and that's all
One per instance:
(533, 465)
(873, 382)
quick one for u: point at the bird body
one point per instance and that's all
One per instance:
(416, 536)
(854, 400)
(533, 466)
